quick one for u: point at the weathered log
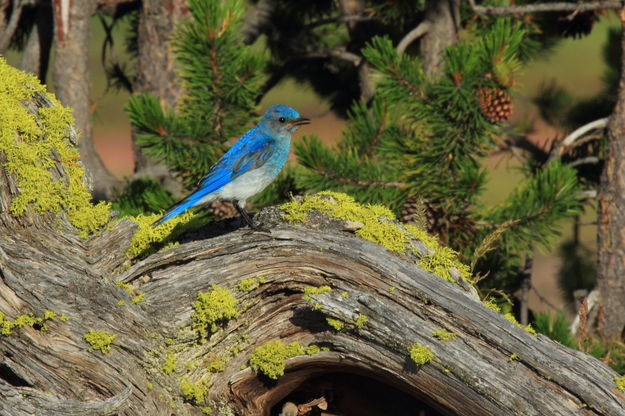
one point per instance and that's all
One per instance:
(166, 359)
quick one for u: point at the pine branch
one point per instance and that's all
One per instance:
(545, 7)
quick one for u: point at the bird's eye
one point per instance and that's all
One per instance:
(282, 119)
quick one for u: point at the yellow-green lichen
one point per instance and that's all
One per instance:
(421, 354)
(137, 296)
(620, 383)
(120, 302)
(490, 303)
(216, 365)
(193, 392)
(391, 289)
(214, 307)
(311, 291)
(99, 340)
(32, 144)
(170, 363)
(337, 324)
(360, 321)
(342, 206)
(28, 319)
(513, 357)
(249, 284)
(438, 259)
(510, 317)
(269, 359)
(443, 334)
(344, 294)
(147, 237)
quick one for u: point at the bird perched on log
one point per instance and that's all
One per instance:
(251, 164)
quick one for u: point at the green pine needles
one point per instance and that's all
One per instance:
(221, 78)
(425, 138)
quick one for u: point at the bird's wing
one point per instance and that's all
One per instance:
(250, 152)
(241, 158)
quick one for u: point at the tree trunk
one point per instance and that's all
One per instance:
(160, 364)
(443, 17)
(36, 54)
(72, 83)
(156, 71)
(611, 213)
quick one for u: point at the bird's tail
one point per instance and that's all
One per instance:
(190, 201)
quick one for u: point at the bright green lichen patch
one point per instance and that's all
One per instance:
(311, 291)
(513, 357)
(443, 334)
(344, 207)
(193, 392)
(490, 303)
(137, 296)
(269, 359)
(215, 307)
(246, 285)
(148, 239)
(620, 383)
(438, 260)
(527, 327)
(32, 143)
(335, 323)
(29, 319)
(99, 340)
(421, 354)
(360, 321)
(344, 294)
(170, 363)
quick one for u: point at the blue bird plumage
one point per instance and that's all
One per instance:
(248, 166)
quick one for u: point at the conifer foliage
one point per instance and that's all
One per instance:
(221, 78)
(417, 146)
(424, 138)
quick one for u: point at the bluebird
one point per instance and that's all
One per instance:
(251, 164)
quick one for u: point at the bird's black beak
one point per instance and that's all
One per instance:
(299, 121)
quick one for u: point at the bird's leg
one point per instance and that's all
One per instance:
(246, 216)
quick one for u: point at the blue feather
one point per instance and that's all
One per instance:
(249, 165)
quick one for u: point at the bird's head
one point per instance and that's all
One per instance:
(281, 120)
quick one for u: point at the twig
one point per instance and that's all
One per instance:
(421, 29)
(569, 140)
(545, 7)
(590, 160)
(602, 123)
(9, 31)
(589, 194)
(542, 298)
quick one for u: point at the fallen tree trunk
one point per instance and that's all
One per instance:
(233, 321)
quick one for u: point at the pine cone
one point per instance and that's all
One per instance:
(413, 212)
(496, 104)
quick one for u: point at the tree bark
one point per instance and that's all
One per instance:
(386, 301)
(611, 218)
(36, 54)
(156, 71)
(72, 83)
(442, 16)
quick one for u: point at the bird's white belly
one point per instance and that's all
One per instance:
(245, 186)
